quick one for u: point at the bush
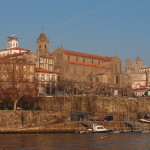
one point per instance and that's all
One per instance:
(38, 108)
(10, 107)
(2, 107)
(26, 107)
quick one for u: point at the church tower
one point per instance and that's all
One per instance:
(128, 66)
(137, 64)
(42, 45)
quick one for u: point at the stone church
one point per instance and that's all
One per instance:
(81, 67)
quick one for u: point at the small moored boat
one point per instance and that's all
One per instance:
(99, 129)
(144, 121)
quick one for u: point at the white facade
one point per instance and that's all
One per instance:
(12, 51)
(12, 42)
(12, 47)
(45, 63)
(47, 81)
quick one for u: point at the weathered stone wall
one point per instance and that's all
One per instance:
(57, 109)
(121, 108)
(23, 119)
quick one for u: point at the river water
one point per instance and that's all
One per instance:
(68, 141)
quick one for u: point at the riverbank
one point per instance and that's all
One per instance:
(77, 126)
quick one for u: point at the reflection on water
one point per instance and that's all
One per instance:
(126, 141)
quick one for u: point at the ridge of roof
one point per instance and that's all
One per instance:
(87, 55)
(145, 67)
(15, 48)
(45, 70)
(141, 88)
(16, 54)
(84, 64)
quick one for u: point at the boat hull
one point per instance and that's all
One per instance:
(106, 131)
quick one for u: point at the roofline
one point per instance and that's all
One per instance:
(87, 55)
(44, 70)
(15, 48)
(84, 64)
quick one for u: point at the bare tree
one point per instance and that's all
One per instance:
(16, 80)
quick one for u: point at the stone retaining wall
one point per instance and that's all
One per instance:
(120, 107)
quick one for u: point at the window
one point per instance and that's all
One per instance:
(31, 78)
(17, 67)
(24, 76)
(53, 77)
(76, 59)
(37, 76)
(31, 68)
(50, 61)
(43, 77)
(99, 62)
(39, 47)
(83, 60)
(41, 60)
(24, 68)
(68, 58)
(48, 78)
(117, 79)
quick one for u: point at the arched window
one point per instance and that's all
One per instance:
(39, 47)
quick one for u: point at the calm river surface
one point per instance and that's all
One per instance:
(124, 141)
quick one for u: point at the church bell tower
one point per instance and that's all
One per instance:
(42, 45)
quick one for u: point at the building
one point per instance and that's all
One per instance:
(43, 60)
(47, 81)
(139, 76)
(45, 74)
(17, 75)
(12, 47)
(82, 67)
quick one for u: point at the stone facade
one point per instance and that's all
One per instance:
(45, 74)
(82, 67)
(138, 76)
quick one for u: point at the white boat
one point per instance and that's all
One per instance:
(144, 121)
(99, 129)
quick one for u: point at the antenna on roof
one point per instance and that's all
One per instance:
(61, 45)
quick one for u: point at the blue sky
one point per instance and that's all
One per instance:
(100, 27)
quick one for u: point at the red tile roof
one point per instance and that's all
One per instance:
(145, 67)
(87, 55)
(15, 48)
(14, 55)
(84, 64)
(44, 70)
(142, 88)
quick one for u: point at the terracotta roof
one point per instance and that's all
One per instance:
(15, 48)
(144, 67)
(142, 88)
(87, 55)
(84, 64)
(44, 70)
